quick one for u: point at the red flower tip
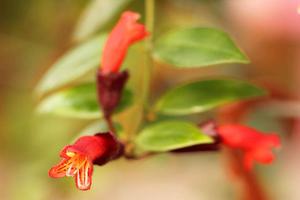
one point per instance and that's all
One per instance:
(126, 32)
(78, 159)
(255, 145)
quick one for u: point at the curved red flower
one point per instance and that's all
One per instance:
(126, 32)
(255, 145)
(78, 159)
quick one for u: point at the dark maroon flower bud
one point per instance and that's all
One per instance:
(109, 89)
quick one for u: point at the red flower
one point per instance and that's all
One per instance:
(126, 32)
(255, 145)
(78, 159)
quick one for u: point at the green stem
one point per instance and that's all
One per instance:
(138, 111)
(150, 9)
(150, 13)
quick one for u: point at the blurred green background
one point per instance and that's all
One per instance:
(33, 34)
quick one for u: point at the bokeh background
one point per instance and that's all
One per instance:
(34, 33)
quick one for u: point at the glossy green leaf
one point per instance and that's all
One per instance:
(197, 47)
(74, 64)
(171, 135)
(96, 15)
(204, 95)
(78, 102)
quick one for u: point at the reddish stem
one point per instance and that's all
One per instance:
(110, 124)
(251, 189)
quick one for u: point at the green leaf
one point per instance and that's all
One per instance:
(74, 64)
(197, 47)
(78, 102)
(171, 135)
(96, 15)
(204, 95)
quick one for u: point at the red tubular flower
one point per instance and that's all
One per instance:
(110, 82)
(255, 145)
(78, 159)
(126, 32)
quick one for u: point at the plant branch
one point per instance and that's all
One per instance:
(110, 124)
(251, 187)
(150, 18)
(137, 112)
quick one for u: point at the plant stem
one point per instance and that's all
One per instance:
(110, 124)
(149, 21)
(137, 112)
(150, 12)
(251, 187)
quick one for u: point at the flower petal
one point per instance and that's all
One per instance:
(248, 161)
(264, 156)
(126, 32)
(256, 146)
(59, 170)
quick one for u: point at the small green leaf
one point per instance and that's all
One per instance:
(171, 135)
(74, 64)
(204, 95)
(78, 102)
(96, 15)
(197, 47)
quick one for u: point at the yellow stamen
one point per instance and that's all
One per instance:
(70, 153)
(75, 163)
